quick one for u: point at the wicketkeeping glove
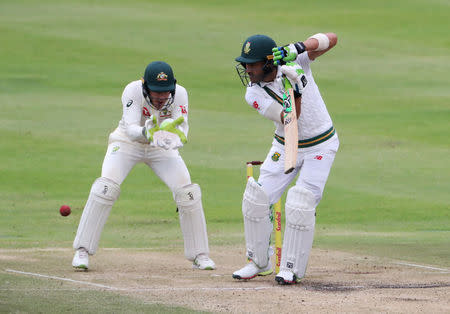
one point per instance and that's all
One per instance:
(287, 53)
(150, 127)
(170, 125)
(296, 77)
(166, 140)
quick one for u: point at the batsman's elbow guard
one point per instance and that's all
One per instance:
(324, 41)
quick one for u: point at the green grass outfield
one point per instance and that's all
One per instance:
(64, 64)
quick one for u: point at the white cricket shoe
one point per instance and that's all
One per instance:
(202, 261)
(286, 277)
(81, 259)
(250, 271)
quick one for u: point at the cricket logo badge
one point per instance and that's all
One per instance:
(165, 114)
(161, 76)
(276, 156)
(247, 48)
(115, 149)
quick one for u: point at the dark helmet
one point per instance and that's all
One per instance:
(256, 48)
(158, 77)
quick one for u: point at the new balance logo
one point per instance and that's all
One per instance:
(318, 157)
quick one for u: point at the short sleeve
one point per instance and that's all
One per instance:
(258, 101)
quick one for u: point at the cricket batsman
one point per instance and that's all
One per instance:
(261, 67)
(153, 127)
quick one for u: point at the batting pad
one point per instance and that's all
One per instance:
(192, 220)
(104, 193)
(257, 224)
(299, 231)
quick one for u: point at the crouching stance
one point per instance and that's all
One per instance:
(153, 127)
(261, 67)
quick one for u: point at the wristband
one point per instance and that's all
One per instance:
(300, 46)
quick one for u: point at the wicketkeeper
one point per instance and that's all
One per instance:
(154, 126)
(261, 66)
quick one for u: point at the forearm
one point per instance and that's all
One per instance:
(317, 44)
(312, 44)
(135, 132)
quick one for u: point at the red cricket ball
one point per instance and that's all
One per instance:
(64, 210)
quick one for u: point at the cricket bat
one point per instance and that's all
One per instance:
(290, 128)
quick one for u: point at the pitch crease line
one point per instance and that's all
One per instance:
(422, 266)
(61, 278)
(138, 289)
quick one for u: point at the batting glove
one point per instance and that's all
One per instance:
(296, 77)
(287, 53)
(150, 127)
(170, 125)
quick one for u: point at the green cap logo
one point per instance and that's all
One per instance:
(247, 48)
(161, 76)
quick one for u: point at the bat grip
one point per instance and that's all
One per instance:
(286, 84)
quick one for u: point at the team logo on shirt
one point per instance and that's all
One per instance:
(276, 156)
(145, 112)
(165, 114)
(161, 76)
(247, 48)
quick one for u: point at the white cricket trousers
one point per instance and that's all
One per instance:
(314, 164)
(168, 165)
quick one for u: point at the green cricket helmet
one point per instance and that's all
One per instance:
(256, 48)
(158, 77)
